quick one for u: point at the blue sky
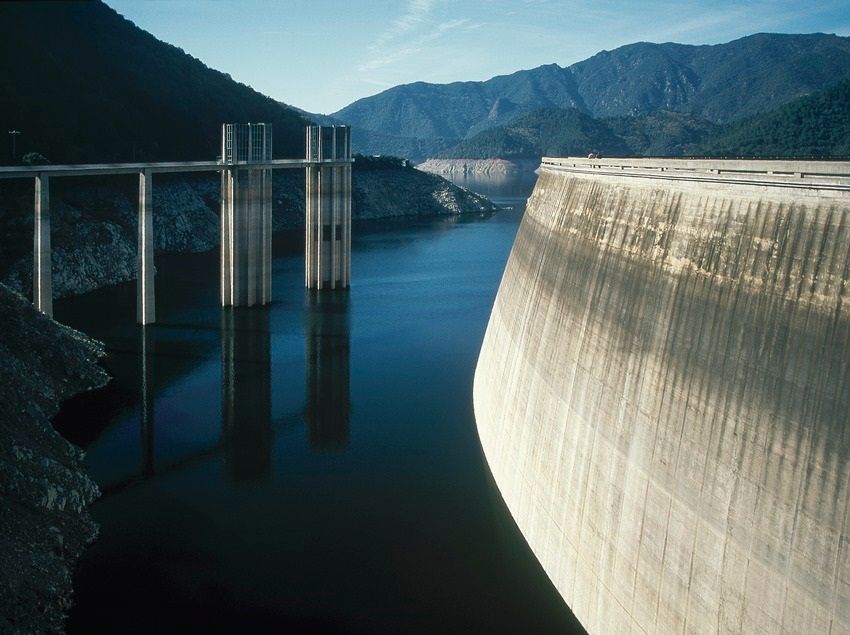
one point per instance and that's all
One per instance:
(321, 55)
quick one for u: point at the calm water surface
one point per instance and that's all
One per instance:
(308, 467)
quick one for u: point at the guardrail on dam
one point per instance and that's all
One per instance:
(663, 392)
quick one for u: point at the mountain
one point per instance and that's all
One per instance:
(719, 83)
(563, 132)
(83, 84)
(548, 131)
(817, 125)
(663, 133)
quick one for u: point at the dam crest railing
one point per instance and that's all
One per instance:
(820, 175)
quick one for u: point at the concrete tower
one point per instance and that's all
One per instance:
(246, 215)
(327, 263)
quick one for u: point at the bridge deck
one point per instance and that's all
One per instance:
(92, 169)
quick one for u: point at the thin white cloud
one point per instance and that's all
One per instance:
(416, 13)
(419, 29)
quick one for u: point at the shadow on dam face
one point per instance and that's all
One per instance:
(663, 396)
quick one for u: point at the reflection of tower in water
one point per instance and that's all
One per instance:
(327, 340)
(246, 392)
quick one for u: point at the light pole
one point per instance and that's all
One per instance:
(13, 134)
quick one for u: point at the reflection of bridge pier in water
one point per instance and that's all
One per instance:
(147, 397)
(327, 344)
(246, 392)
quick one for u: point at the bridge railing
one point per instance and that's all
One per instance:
(836, 173)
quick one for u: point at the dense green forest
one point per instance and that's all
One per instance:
(561, 132)
(97, 88)
(817, 125)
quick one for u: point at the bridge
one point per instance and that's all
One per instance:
(663, 392)
(246, 221)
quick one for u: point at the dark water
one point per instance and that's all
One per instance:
(308, 467)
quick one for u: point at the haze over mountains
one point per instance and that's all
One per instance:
(715, 84)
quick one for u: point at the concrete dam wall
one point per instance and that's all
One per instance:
(663, 393)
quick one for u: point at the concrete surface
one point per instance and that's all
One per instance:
(663, 396)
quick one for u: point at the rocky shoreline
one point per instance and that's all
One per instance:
(44, 493)
(95, 223)
(478, 166)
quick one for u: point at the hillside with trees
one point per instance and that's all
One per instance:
(817, 125)
(97, 88)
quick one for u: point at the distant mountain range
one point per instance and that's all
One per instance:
(714, 84)
(815, 125)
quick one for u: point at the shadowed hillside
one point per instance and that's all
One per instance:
(94, 87)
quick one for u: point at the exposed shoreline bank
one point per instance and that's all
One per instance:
(44, 492)
(478, 166)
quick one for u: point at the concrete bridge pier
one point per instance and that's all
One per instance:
(246, 215)
(42, 282)
(246, 237)
(327, 263)
(145, 297)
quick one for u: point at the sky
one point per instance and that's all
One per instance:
(321, 55)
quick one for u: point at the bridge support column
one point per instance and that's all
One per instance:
(327, 257)
(42, 281)
(246, 237)
(145, 295)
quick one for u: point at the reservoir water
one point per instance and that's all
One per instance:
(312, 466)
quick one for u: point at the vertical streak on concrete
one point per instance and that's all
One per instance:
(227, 177)
(267, 236)
(246, 234)
(325, 218)
(252, 233)
(145, 294)
(311, 189)
(346, 227)
(42, 295)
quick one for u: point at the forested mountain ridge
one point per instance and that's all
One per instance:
(716, 83)
(815, 125)
(562, 132)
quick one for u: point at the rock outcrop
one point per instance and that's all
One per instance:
(44, 494)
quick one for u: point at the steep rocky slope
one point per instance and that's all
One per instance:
(44, 494)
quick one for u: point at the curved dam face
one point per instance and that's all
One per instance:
(663, 394)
